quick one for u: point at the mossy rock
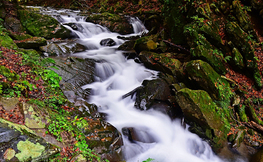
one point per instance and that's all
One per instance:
(19, 36)
(240, 40)
(42, 25)
(31, 43)
(113, 22)
(147, 43)
(198, 107)
(204, 42)
(206, 77)
(6, 41)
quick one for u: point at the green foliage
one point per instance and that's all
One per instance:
(148, 160)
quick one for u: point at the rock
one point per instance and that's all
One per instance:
(137, 135)
(127, 46)
(257, 157)
(13, 24)
(21, 144)
(163, 62)
(203, 74)
(113, 22)
(156, 94)
(147, 43)
(63, 48)
(42, 25)
(6, 41)
(107, 42)
(9, 103)
(75, 73)
(32, 119)
(18, 36)
(31, 43)
(199, 108)
(7, 135)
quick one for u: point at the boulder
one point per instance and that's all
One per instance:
(107, 42)
(62, 48)
(6, 41)
(13, 24)
(147, 43)
(156, 94)
(198, 107)
(42, 25)
(113, 22)
(207, 78)
(75, 73)
(31, 43)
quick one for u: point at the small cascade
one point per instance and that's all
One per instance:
(160, 138)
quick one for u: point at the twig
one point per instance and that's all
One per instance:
(177, 46)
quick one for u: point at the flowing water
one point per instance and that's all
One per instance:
(161, 138)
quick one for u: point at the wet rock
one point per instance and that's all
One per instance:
(127, 46)
(156, 94)
(198, 107)
(63, 48)
(107, 42)
(75, 73)
(257, 157)
(31, 43)
(137, 135)
(7, 135)
(42, 25)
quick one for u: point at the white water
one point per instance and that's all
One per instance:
(164, 140)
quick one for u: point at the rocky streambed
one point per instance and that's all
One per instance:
(196, 80)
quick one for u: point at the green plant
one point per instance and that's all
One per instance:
(148, 160)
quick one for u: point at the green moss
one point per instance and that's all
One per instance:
(29, 150)
(10, 75)
(209, 79)
(237, 58)
(198, 107)
(42, 25)
(6, 41)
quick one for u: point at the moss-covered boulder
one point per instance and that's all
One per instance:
(6, 41)
(147, 43)
(31, 43)
(202, 73)
(198, 107)
(42, 25)
(113, 22)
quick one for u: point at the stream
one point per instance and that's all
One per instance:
(161, 138)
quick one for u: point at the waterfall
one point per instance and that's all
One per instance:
(161, 138)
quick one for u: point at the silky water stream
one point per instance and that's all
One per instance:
(161, 138)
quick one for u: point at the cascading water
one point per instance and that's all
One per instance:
(161, 138)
